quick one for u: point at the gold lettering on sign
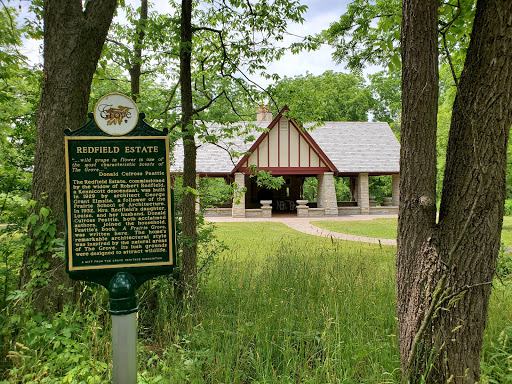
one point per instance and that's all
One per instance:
(114, 115)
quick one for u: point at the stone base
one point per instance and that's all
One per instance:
(316, 212)
(253, 213)
(217, 212)
(384, 210)
(266, 212)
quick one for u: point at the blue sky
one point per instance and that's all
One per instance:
(320, 14)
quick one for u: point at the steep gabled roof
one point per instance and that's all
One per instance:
(345, 148)
(359, 147)
(285, 149)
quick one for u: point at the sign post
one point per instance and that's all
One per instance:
(120, 213)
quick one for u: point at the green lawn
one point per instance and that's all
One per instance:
(386, 228)
(506, 233)
(379, 228)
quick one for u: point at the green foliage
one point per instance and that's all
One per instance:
(265, 179)
(506, 232)
(310, 188)
(294, 308)
(329, 97)
(214, 190)
(386, 88)
(342, 188)
(497, 364)
(369, 32)
(19, 95)
(70, 347)
(504, 264)
(380, 186)
(508, 207)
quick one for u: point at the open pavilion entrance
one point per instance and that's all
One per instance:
(355, 150)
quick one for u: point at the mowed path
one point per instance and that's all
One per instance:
(303, 224)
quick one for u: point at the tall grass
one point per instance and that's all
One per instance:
(290, 308)
(276, 307)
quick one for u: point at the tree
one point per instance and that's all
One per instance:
(73, 38)
(386, 90)
(139, 48)
(222, 44)
(330, 96)
(445, 268)
(18, 97)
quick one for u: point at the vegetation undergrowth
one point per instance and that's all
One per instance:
(277, 306)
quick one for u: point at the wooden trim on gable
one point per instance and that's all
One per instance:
(284, 161)
(313, 143)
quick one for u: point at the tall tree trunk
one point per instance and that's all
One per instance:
(135, 70)
(189, 263)
(73, 39)
(453, 262)
(417, 211)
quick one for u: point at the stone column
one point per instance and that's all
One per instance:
(396, 190)
(238, 209)
(302, 208)
(319, 190)
(198, 198)
(266, 208)
(327, 194)
(363, 194)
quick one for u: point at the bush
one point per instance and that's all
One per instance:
(508, 207)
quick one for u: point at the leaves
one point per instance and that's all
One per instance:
(329, 97)
(369, 32)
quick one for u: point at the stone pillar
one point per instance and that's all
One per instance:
(396, 190)
(266, 208)
(319, 190)
(327, 194)
(238, 209)
(302, 208)
(198, 198)
(363, 194)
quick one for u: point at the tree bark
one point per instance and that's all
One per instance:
(451, 265)
(188, 276)
(135, 70)
(417, 210)
(73, 39)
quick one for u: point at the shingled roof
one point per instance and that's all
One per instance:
(353, 147)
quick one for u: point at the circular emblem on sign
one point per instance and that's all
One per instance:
(116, 114)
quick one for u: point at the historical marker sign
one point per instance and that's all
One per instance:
(118, 197)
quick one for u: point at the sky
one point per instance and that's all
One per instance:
(319, 16)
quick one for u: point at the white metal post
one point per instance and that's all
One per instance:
(124, 348)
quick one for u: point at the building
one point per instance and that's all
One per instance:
(357, 150)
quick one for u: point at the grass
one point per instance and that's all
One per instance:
(379, 228)
(506, 233)
(278, 306)
(386, 228)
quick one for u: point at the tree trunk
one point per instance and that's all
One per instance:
(188, 277)
(417, 210)
(452, 263)
(135, 70)
(73, 39)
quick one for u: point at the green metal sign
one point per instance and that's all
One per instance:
(119, 203)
